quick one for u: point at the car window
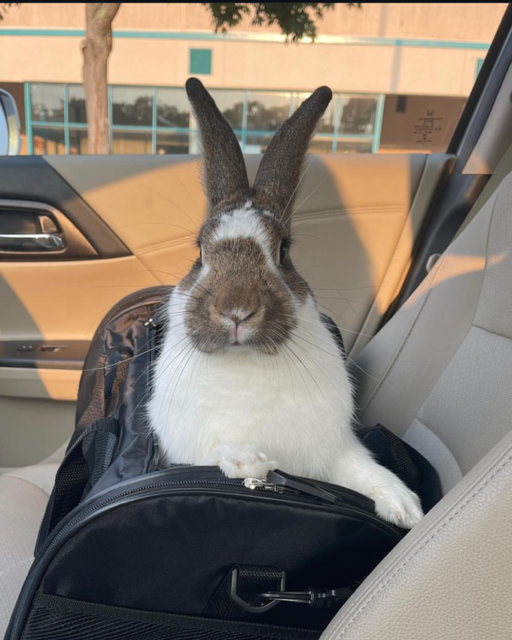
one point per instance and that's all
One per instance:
(400, 75)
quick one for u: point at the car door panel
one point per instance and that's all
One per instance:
(356, 218)
(52, 304)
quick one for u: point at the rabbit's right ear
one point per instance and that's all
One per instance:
(224, 173)
(279, 173)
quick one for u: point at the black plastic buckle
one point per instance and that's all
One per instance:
(233, 592)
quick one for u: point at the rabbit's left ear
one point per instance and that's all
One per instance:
(224, 173)
(280, 170)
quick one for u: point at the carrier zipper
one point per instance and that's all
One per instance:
(278, 482)
(251, 483)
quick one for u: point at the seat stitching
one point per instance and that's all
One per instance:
(434, 533)
(494, 333)
(347, 212)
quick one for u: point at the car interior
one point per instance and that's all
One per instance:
(410, 255)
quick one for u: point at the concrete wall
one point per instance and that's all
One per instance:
(353, 68)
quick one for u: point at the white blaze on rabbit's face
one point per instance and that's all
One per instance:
(247, 223)
(243, 292)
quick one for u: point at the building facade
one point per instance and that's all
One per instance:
(400, 74)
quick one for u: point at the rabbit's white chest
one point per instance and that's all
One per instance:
(295, 406)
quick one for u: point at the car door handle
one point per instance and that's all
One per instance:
(31, 242)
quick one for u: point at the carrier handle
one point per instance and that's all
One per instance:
(86, 460)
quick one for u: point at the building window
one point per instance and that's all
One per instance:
(132, 106)
(200, 62)
(49, 141)
(232, 106)
(172, 109)
(47, 102)
(267, 111)
(158, 120)
(358, 115)
(76, 104)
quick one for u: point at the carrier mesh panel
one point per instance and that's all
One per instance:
(54, 618)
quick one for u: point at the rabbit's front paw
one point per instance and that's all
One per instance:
(242, 461)
(397, 504)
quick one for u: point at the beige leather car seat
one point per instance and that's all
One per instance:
(440, 375)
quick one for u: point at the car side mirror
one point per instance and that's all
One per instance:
(10, 129)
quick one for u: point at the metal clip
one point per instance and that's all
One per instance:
(315, 598)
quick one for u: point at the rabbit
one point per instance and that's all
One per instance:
(249, 376)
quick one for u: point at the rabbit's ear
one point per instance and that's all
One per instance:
(225, 176)
(280, 169)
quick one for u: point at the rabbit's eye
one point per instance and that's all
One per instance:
(282, 253)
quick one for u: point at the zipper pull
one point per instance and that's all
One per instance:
(281, 479)
(258, 483)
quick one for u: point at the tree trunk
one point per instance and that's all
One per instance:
(96, 49)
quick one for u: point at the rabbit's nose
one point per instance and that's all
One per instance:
(239, 315)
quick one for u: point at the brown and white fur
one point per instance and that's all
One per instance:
(249, 377)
